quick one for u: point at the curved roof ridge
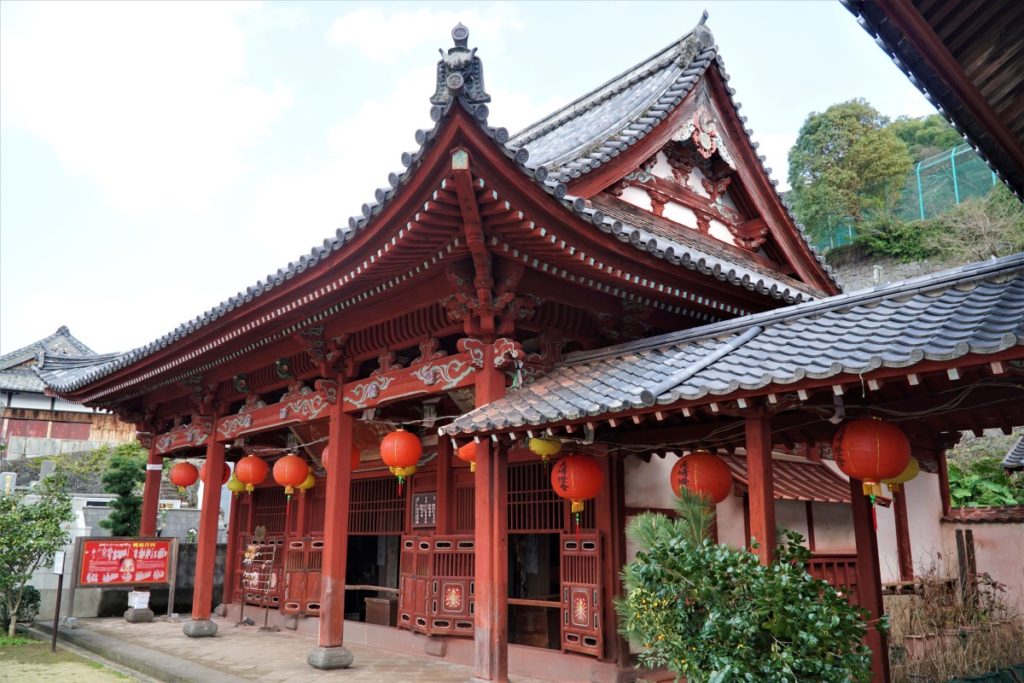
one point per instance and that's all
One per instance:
(923, 283)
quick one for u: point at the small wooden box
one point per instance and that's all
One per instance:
(382, 611)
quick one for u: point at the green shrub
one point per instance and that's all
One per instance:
(710, 612)
(28, 608)
(983, 482)
(901, 240)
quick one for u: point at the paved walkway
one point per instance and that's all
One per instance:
(247, 654)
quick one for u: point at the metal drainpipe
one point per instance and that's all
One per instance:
(920, 196)
(956, 185)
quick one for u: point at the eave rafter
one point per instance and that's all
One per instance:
(515, 236)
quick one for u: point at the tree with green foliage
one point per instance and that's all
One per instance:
(846, 164)
(125, 474)
(30, 533)
(925, 136)
(710, 612)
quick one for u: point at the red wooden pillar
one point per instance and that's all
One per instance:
(490, 660)
(231, 559)
(201, 625)
(151, 492)
(903, 553)
(944, 483)
(445, 503)
(330, 652)
(869, 580)
(761, 485)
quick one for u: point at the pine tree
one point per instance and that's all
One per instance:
(124, 476)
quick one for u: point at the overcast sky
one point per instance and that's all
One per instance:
(156, 158)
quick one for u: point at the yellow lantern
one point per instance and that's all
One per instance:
(309, 483)
(545, 447)
(235, 485)
(909, 472)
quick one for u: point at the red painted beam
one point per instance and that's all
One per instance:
(869, 581)
(903, 551)
(761, 484)
(151, 492)
(206, 552)
(336, 513)
(490, 658)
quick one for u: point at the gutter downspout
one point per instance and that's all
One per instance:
(649, 396)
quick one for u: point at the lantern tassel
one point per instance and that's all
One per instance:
(472, 467)
(400, 481)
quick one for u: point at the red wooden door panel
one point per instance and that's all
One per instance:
(581, 593)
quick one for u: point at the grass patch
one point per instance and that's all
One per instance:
(6, 641)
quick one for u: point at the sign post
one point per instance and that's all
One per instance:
(58, 569)
(128, 563)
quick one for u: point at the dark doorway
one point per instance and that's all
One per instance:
(372, 568)
(533, 590)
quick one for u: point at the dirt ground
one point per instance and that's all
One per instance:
(27, 660)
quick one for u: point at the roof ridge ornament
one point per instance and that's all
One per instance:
(460, 74)
(696, 41)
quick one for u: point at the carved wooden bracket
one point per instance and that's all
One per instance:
(325, 352)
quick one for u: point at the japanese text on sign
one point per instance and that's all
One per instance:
(424, 509)
(125, 562)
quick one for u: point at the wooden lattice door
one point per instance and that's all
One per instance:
(581, 593)
(436, 588)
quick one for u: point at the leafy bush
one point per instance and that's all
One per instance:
(983, 482)
(890, 236)
(28, 608)
(713, 613)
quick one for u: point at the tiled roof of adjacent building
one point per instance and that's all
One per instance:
(16, 372)
(689, 58)
(1010, 514)
(977, 308)
(1014, 459)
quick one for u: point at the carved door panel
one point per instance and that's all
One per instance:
(581, 593)
(452, 588)
(303, 560)
(436, 588)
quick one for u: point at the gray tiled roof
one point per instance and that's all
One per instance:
(599, 126)
(15, 375)
(1014, 459)
(686, 255)
(973, 309)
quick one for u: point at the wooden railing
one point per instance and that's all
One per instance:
(840, 570)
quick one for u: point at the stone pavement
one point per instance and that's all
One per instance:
(159, 649)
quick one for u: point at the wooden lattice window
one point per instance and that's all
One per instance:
(533, 505)
(376, 508)
(269, 509)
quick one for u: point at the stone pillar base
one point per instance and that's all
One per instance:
(329, 658)
(138, 616)
(200, 628)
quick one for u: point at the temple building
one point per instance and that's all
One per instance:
(620, 279)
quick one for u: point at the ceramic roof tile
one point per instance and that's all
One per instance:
(933, 317)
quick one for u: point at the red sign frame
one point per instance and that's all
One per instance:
(102, 562)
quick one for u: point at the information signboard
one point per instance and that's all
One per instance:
(424, 509)
(125, 562)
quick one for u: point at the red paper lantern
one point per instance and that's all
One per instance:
(251, 471)
(184, 474)
(871, 450)
(703, 473)
(290, 471)
(224, 475)
(577, 478)
(400, 450)
(467, 453)
(325, 457)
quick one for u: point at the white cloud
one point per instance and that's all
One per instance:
(386, 36)
(150, 101)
